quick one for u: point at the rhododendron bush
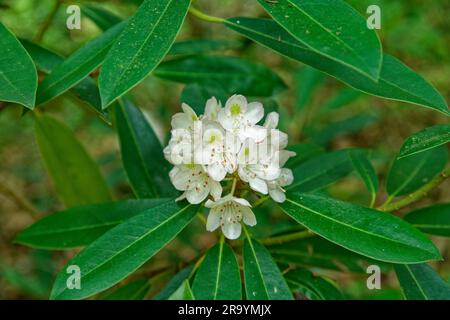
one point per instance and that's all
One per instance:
(273, 155)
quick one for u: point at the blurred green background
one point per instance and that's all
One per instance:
(315, 108)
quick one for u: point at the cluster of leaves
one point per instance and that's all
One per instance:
(120, 236)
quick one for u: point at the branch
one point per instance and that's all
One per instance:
(18, 199)
(418, 194)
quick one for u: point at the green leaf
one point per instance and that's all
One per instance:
(136, 290)
(406, 175)
(322, 170)
(351, 125)
(145, 41)
(328, 27)
(304, 152)
(434, 219)
(86, 90)
(375, 234)
(123, 249)
(342, 98)
(319, 253)
(78, 66)
(316, 287)
(77, 178)
(25, 283)
(230, 74)
(396, 82)
(142, 153)
(218, 277)
(421, 282)
(18, 76)
(184, 292)
(174, 284)
(308, 79)
(102, 18)
(196, 95)
(77, 227)
(263, 279)
(426, 139)
(201, 46)
(366, 171)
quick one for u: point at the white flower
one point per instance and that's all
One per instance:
(185, 119)
(218, 151)
(179, 150)
(258, 165)
(276, 190)
(212, 109)
(195, 183)
(228, 213)
(228, 143)
(241, 118)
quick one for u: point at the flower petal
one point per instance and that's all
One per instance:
(255, 112)
(213, 221)
(232, 231)
(272, 120)
(258, 185)
(277, 195)
(248, 217)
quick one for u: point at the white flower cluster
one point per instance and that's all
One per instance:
(227, 144)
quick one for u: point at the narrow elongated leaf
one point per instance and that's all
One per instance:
(124, 249)
(396, 82)
(102, 18)
(317, 288)
(18, 76)
(142, 153)
(369, 232)
(174, 284)
(136, 290)
(263, 279)
(421, 282)
(354, 124)
(366, 171)
(328, 27)
(78, 66)
(229, 73)
(304, 152)
(201, 46)
(317, 252)
(218, 277)
(426, 139)
(307, 79)
(145, 41)
(342, 98)
(184, 292)
(77, 179)
(433, 220)
(406, 175)
(320, 171)
(80, 226)
(86, 90)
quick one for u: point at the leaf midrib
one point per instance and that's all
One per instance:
(84, 275)
(381, 78)
(351, 227)
(144, 43)
(416, 282)
(259, 267)
(139, 152)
